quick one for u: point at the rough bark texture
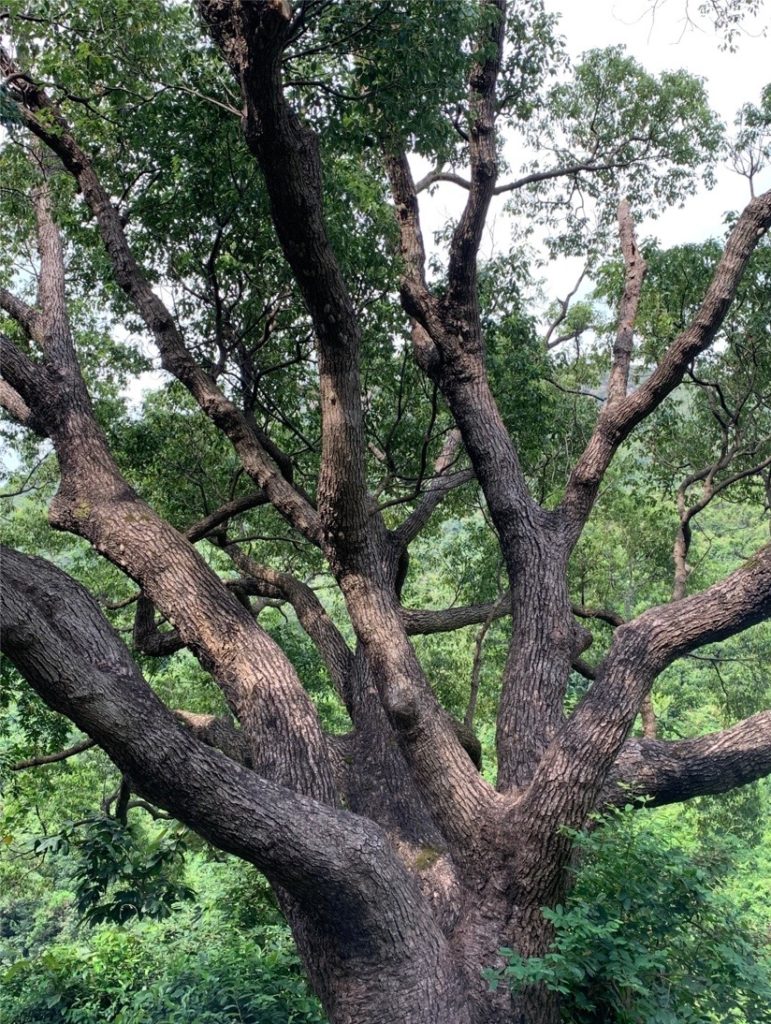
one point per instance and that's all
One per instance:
(401, 870)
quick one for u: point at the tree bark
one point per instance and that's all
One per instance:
(402, 872)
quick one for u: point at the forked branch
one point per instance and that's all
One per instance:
(619, 418)
(584, 752)
(325, 858)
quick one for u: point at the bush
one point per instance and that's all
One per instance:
(648, 934)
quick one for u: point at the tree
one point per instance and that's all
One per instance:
(281, 304)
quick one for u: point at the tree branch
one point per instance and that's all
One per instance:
(564, 306)
(231, 509)
(146, 635)
(603, 614)
(418, 621)
(55, 133)
(440, 485)
(361, 554)
(667, 772)
(462, 267)
(634, 275)
(25, 316)
(311, 615)
(20, 373)
(328, 860)
(60, 755)
(16, 407)
(579, 760)
(710, 490)
(52, 323)
(566, 171)
(619, 418)
(287, 152)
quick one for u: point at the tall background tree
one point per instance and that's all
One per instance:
(226, 192)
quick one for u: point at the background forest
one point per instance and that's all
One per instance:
(109, 911)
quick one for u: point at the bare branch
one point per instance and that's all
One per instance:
(476, 669)
(534, 178)
(60, 755)
(584, 669)
(564, 305)
(634, 275)
(566, 171)
(433, 177)
(687, 513)
(146, 635)
(441, 484)
(224, 514)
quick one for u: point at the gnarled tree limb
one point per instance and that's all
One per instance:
(663, 772)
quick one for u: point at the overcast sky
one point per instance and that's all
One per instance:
(663, 42)
(667, 42)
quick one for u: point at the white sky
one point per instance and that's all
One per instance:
(668, 42)
(663, 42)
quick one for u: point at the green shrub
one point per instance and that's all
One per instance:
(649, 935)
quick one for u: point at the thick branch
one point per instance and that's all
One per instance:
(259, 682)
(20, 373)
(311, 615)
(251, 38)
(665, 773)
(25, 316)
(54, 132)
(619, 418)
(582, 755)
(418, 621)
(219, 732)
(363, 557)
(54, 327)
(415, 296)
(15, 406)
(327, 859)
(462, 271)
